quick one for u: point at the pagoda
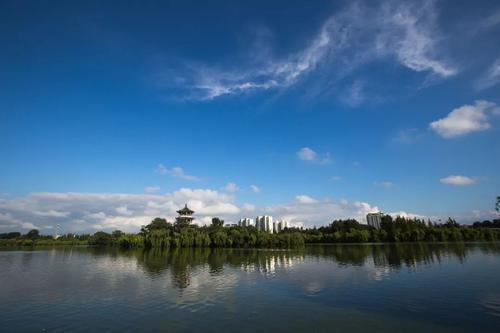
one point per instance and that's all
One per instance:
(185, 216)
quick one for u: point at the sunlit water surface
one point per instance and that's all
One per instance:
(390, 288)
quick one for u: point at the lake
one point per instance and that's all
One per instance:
(382, 287)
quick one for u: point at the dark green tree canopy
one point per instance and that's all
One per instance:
(33, 234)
(217, 222)
(158, 224)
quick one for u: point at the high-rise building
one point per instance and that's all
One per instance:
(284, 224)
(245, 222)
(264, 223)
(374, 219)
(279, 226)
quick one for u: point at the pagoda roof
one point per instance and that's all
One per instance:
(185, 211)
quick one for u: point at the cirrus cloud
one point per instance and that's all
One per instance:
(354, 36)
(255, 188)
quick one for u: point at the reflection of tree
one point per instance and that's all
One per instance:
(398, 255)
(181, 262)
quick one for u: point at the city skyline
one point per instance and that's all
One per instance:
(113, 114)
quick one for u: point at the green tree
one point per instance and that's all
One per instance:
(33, 234)
(157, 224)
(217, 222)
(117, 234)
(100, 238)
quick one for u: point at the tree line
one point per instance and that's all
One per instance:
(401, 229)
(33, 237)
(161, 234)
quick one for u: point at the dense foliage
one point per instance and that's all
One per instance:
(400, 229)
(161, 234)
(487, 224)
(33, 237)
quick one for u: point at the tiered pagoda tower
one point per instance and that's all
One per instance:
(185, 216)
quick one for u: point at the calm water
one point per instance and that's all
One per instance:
(390, 288)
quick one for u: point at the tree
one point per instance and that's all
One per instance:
(497, 206)
(451, 223)
(10, 235)
(100, 238)
(33, 234)
(217, 222)
(157, 224)
(117, 234)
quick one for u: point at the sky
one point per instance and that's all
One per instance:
(113, 113)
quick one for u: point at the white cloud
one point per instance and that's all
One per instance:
(492, 76)
(306, 154)
(305, 199)
(87, 212)
(123, 210)
(407, 136)
(320, 212)
(465, 119)
(408, 215)
(248, 207)
(52, 213)
(90, 212)
(385, 184)
(231, 187)
(176, 172)
(8, 221)
(458, 180)
(491, 21)
(28, 225)
(255, 188)
(354, 95)
(414, 43)
(359, 34)
(336, 178)
(152, 189)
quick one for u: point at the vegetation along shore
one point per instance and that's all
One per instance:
(162, 234)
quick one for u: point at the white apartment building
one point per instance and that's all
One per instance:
(279, 226)
(245, 222)
(374, 219)
(264, 223)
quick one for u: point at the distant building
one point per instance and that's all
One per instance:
(374, 219)
(264, 223)
(185, 216)
(245, 222)
(279, 226)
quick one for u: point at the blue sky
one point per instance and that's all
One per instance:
(113, 113)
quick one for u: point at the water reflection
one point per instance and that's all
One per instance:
(308, 288)
(378, 258)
